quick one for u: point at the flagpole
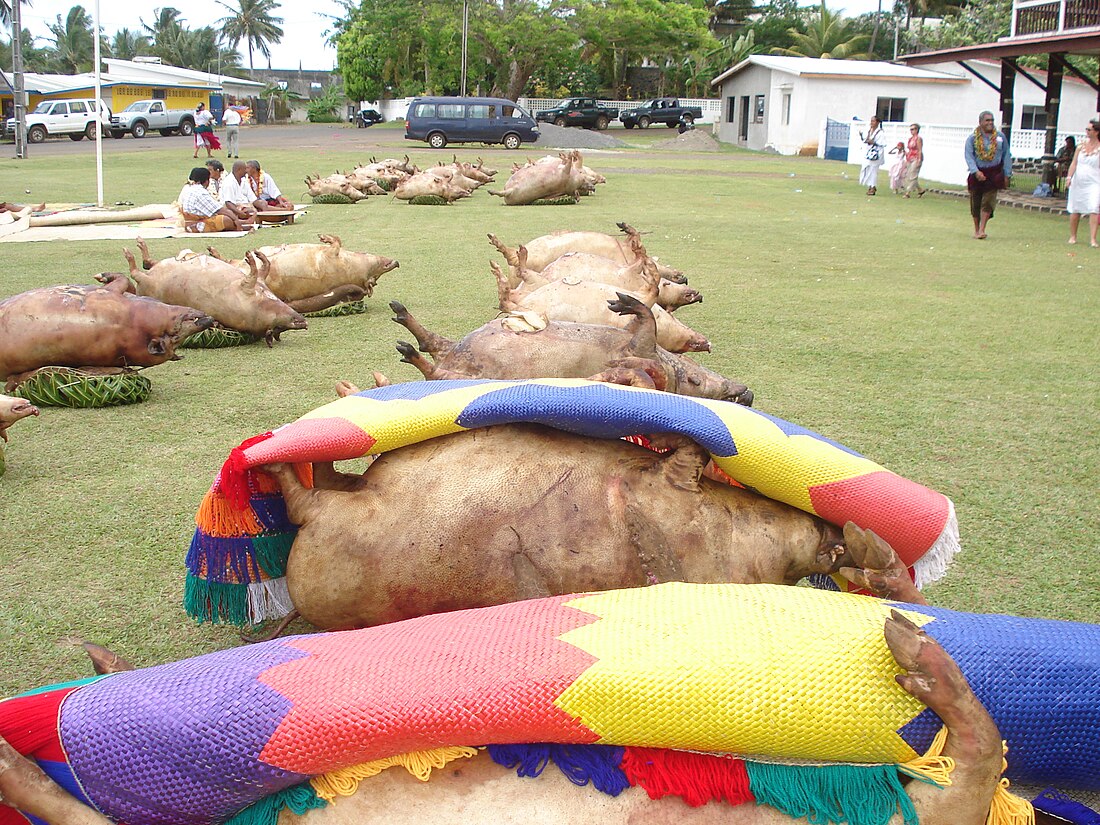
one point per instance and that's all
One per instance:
(98, 112)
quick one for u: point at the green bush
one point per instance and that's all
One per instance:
(322, 117)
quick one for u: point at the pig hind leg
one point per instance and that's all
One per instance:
(435, 345)
(973, 740)
(410, 355)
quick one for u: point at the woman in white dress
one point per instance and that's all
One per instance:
(1084, 183)
(874, 153)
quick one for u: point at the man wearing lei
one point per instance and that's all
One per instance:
(990, 165)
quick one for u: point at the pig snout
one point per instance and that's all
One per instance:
(738, 394)
(692, 296)
(389, 264)
(296, 321)
(698, 343)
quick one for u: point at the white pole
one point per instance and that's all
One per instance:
(98, 113)
(465, 34)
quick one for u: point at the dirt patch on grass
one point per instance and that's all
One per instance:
(564, 137)
(694, 140)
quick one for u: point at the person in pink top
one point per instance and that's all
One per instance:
(914, 157)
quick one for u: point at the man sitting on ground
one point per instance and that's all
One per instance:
(267, 194)
(201, 212)
(220, 187)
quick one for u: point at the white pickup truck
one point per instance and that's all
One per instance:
(142, 115)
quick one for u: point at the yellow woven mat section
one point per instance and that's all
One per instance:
(668, 675)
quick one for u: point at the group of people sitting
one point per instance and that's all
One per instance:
(213, 201)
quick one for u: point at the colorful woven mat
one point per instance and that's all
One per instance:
(764, 671)
(238, 556)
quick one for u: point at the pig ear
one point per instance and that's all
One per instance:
(157, 347)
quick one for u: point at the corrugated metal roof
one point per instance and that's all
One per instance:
(855, 69)
(126, 67)
(50, 84)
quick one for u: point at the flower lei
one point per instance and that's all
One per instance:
(979, 146)
(257, 182)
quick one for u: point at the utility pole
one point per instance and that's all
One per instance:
(19, 98)
(465, 36)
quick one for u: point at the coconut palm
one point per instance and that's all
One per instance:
(828, 34)
(73, 45)
(253, 23)
(128, 44)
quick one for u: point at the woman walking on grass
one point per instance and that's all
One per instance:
(1084, 183)
(914, 157)
(873, 156)
(204, 131)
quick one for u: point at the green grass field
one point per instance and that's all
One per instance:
(972, 367)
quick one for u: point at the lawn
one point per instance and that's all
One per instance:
(971, 367)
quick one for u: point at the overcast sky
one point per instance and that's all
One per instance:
(304, 23)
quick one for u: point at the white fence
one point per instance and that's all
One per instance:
(391, 109)
(943, 147)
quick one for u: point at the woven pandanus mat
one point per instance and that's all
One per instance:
(774, 457)
(69, 387)
(764, 671)
(218, 337)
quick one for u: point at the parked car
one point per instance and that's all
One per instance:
(368, 117)
(75, 118)
(579, 111)
(443, 120)
(666, 110)
(142, 115)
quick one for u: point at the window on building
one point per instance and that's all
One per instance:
(890, 109)
(1033, 117)
(160, 94)
(758, 111)
(786, 108)
(731, 109)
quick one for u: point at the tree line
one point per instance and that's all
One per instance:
(70, 47)
(556, 48)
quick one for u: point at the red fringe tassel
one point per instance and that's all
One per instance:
(697, 778)
(234, 475)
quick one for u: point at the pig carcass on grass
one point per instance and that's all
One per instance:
(587, 302)
(91, 326)
(310, 277)
(335, 185)
(523, 346)
(546, 249)
(423, 184)
(234, 299)
(636, 277)
(544, 181)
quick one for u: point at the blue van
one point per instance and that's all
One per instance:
(443, 120)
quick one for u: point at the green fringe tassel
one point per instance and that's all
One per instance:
(825, 794)
(298, 798)
(216, 602)
(272, 551)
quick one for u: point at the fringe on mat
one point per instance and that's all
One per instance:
(932, 566)
(298, 798)
(268, 600)
(420, 764)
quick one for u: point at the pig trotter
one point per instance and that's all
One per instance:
(146, 261)
(331, 240)
(129, 256)
(213, 253)
(410, 355)
(877, 567)
(379, 379)
(345, 388)
(274, 633)
(626, 377)
(430, 342)
(628, 305)
(103, 660)
(24, 786)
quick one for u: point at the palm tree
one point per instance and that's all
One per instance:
(828, 35)
(128, 44)
(253, 23)
(73, 43)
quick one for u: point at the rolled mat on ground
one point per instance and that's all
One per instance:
(237, 559)
(784, 678)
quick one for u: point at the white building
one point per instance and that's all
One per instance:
(785, 104)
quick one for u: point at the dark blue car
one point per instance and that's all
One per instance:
(443, 120)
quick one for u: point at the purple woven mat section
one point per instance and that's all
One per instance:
(139, 767)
